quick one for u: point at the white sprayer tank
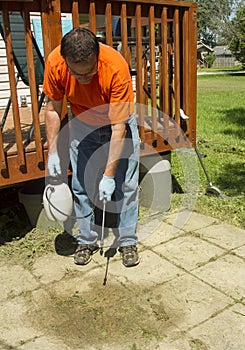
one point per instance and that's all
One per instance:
(57, 200)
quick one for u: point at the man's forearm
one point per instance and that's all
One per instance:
(52, 123)
(116, 146)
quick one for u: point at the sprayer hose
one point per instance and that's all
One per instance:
(59, 211)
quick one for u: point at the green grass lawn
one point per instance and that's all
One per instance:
(221, 138)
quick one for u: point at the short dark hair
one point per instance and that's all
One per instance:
(79, 45)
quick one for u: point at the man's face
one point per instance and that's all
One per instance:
(83, 71)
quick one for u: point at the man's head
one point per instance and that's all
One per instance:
(80, 49)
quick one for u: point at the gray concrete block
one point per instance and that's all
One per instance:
(224, 235)
(187, 301)
(15, 280)
(189, 252)
(226, 331)
(226, 274)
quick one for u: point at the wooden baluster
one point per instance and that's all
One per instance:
(164, 77)
(186, 81)
(139, 80)
(75, 14)
(177, 69)
(45, 28)
(33, 87)
(92, 17)
(12, 83)
(108, 24)
(153, 72)
(124, 35)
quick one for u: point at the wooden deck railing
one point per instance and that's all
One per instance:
(158, 40)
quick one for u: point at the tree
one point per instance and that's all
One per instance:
(237, 44)
(206, 27)
(214, 20)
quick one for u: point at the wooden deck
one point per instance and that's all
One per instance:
(163, 35)
(8, 132)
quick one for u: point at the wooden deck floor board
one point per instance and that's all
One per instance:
(8, 131)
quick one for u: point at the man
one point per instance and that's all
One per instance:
(104, 141)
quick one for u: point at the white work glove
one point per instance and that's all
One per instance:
(54, 164)
(106, 187)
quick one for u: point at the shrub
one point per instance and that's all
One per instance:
(210, 59)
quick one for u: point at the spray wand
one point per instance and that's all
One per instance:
(102, 228)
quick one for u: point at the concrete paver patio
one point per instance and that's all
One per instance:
(190, 283)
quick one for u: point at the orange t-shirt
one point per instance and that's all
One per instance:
(107, 99)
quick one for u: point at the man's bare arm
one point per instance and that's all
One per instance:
(52, 123)
(116, 146)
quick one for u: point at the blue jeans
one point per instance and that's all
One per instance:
(89, 147)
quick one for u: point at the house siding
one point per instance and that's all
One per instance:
(224, 62)
(4, 80)
(22, 89)
(224, 57)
